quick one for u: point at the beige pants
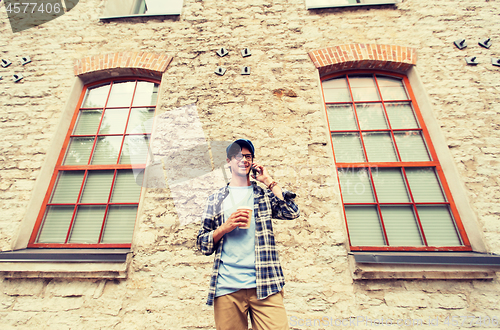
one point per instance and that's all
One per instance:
(231, 311)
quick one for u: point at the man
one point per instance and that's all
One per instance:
(247, 275)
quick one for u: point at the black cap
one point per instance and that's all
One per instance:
(235, 147)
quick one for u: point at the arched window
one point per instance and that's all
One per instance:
(394, 192)
(93, 196)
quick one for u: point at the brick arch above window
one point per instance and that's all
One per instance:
(137, 64)
(364, 56)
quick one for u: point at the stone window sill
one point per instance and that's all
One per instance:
(110, 18)
(428, 265)
(65, 263)
(322, 4)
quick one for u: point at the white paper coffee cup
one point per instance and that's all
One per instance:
(246, 208)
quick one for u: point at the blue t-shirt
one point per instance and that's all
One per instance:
(237, 267)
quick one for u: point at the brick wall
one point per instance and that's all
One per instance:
(364, 56)
(279, 107)
(124, 63)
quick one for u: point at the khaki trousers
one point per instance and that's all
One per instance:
(231, 311)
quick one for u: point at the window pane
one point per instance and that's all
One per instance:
(401, 115)
(87, 225)
(336, 90)
(107, 149)
(67, 187)
(88, 122)
(114, 121)
(364, 226)
(390, 186)
(127, 189)
(363, 88)
(97, 187)
(56, 224)
(140, 7)
(120, 223)
(401, 226)
(79, 151)
(96, 97)
(411, 146)
(438, 226)
(356, 186)
(135, 149)
(391, 88)
(424, 185)
(347, 148)
(121, 94)
(371, 116)
(146, 93)
(341, 117)
(379, 147)
(141, 120)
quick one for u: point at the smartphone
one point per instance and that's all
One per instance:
(255, 172)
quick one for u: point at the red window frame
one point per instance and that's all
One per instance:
(86, 168)
(434, 163)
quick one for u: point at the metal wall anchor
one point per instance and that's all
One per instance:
(460, 43)
(220, 71)
(222, 52)
(471, 60)
(6, 63)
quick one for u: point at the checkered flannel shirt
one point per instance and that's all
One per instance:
(269, 275)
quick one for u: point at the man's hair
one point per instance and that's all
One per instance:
(235, 148)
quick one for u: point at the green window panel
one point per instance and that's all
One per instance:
(120, 224)
(336, 90)
(401, 116)
(135, 149)
(424, 185)
(364, 226)
(390, 186)
(401, 226)
(56, 223)
(438, 225)
(341, 117)
(391, 88)
(380, 147)
(88, 122)
(411, 146)
(371, 116)
(97, 187)
(107, 149)
(146, 94)
(363, 88)
(121, 94)
(347, 148)
(127, 188)
(67, 187)
(356, 186)
(87, 225)
(96, 97)
(141, 120)
(114, 121)
(79, 151)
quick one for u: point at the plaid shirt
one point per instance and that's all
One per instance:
(270, 279)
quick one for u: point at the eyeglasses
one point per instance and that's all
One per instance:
(239, 157)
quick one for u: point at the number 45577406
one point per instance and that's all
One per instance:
(33, 8)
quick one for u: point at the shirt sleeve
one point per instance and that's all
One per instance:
(284, 209)
(205, 238)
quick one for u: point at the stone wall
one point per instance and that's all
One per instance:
(279, 107)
